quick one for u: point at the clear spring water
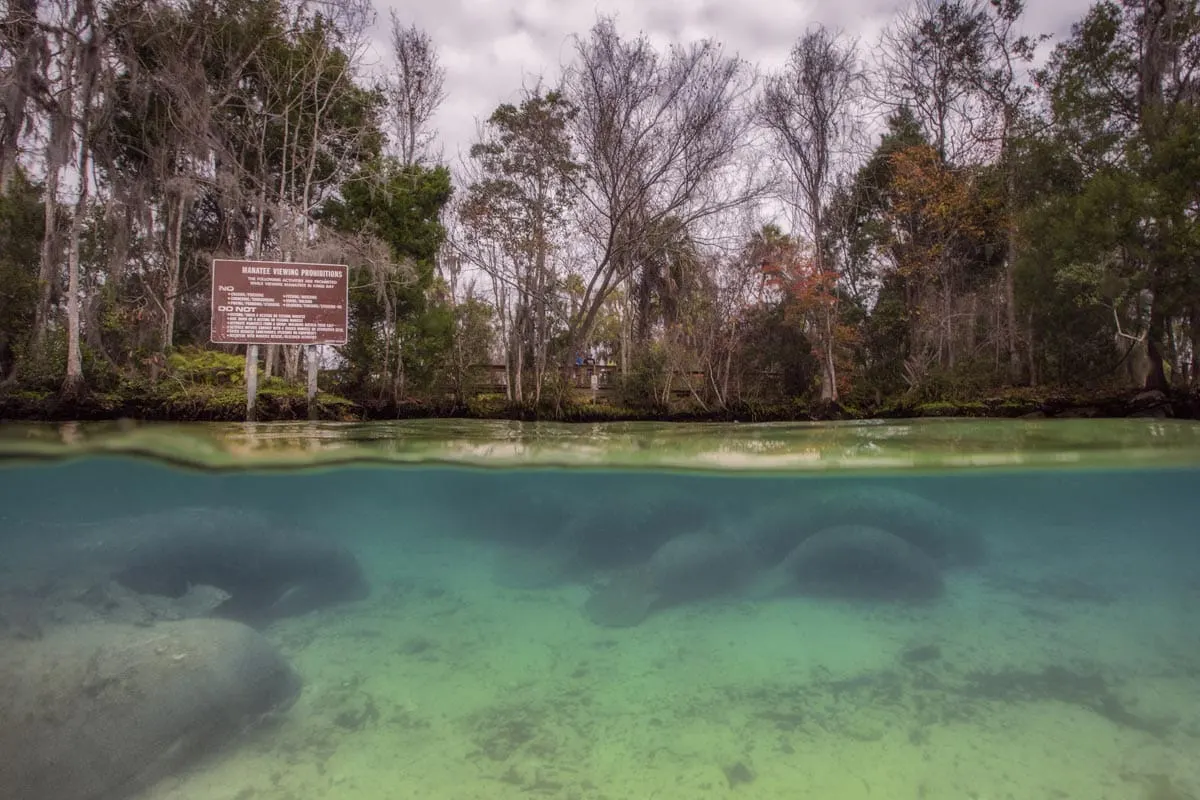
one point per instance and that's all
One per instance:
(1062, 663)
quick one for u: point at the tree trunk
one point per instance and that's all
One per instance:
(391, 338)
(1010, 303)
(176, 208)
(948, 325)
(539, 299)
(56, 155)
(251, 382)
(313, 365)
(1157, 49)
(49, 262)
(518, 359)
(1172, 355)
(121, 229)
(1156, 376)
(829, 391)
(73, 381)
(627, 330)
(400, 387)
(89, 61)
(291, 363)
(1031, 351)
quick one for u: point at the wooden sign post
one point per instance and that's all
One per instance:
(272, 302)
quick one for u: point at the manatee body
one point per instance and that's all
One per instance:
(688, 567)
(102, 711)
(947, 537)
(859, 562)
(597, 535)
(268, 571)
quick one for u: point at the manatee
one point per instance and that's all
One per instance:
(688, 567)
(267, 570)
(598, 535)
(103, 711)
(549, 564)
(947, 537)
(856, 562)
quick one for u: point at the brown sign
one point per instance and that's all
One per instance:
(268, 302)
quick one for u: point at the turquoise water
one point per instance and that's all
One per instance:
(544, 633)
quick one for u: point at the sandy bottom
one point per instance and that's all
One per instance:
(444, 686)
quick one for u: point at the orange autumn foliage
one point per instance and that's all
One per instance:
(938, 209)
(791, 271)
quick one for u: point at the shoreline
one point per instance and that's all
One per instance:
(281, 406)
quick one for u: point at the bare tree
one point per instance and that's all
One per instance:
(657, 138)
(926, 59)
(415, 90)
(518, 197)
(808, 109)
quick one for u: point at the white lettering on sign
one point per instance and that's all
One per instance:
(263, 303)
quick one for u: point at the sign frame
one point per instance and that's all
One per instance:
(344, 314)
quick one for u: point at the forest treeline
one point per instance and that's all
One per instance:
(958, 209)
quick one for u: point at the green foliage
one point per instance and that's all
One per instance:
(21, 226)
(967, 381)
(950, 409)
(642, 388)
(1067, 280)
(1111, 229)
(885, 342)
(400, 204)
(43, 371)
(472, 339)
(486, 405)
(391, 321)
(858, 224)
(527, 169)
(428, 340)
(195, 365)
(776, 358)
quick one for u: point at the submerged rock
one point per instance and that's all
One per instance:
(21, 614)
(99, 712)
(66, 601)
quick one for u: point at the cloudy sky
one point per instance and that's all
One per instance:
(489, 47)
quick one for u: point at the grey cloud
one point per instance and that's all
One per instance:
(481, 75)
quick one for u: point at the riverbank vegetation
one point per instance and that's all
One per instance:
(963, 217)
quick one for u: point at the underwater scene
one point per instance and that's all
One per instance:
(488, 627)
